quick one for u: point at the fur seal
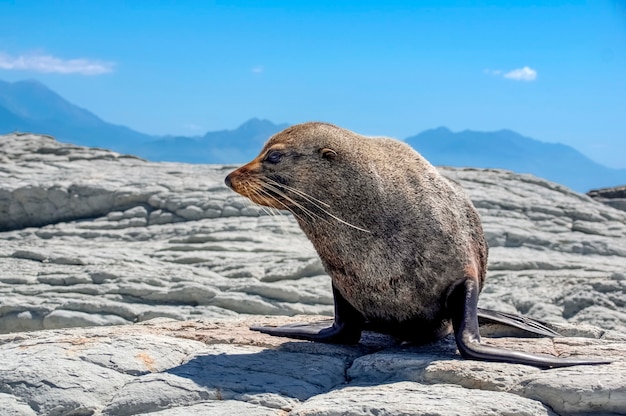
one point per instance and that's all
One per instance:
(403, 245)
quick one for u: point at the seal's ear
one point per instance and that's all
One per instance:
(328, 153)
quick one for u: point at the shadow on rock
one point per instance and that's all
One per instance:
(291, 374)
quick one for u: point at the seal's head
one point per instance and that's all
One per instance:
(326, 174)
(293, 168)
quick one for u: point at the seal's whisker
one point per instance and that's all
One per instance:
(313, 202)
(298, 205)
(345, 222)
(269, 195)
(271, 211)
(248, 202)
(305, 210)
(267, 210)
(278, 216)
(252, 188)
(299, 192)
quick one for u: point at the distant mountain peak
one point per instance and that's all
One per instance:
(257, 124)
(507, 149)
(26, 85)
(439, 130)
(35, 102)
(31, 81)
(29, 105)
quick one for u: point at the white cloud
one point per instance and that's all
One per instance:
(258, 69)
(51, 64)
(522, 74)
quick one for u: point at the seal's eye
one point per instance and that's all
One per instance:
(273, 157)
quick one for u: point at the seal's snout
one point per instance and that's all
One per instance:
(228, 181)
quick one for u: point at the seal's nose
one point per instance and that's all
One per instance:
(228, 182)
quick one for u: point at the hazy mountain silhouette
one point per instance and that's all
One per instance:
(509, 150)
(31, 106)
(224, 146)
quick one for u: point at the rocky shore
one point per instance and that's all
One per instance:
(90, 237)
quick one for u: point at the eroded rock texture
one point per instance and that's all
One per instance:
(91, 237)
(220, 367)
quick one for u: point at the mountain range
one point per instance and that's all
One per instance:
(31, 106)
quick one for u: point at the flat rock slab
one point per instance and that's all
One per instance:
(219, 366)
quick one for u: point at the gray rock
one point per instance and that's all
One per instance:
(66, 319)
(614, 197)
(219, 366)
(92, 237)
(219, 407)
(407, 398)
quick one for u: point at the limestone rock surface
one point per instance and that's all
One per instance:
(92, 237)
(219, 366)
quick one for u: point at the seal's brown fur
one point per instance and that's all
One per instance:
(406, 234)
(403, 245)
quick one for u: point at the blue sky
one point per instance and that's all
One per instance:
(551, 70)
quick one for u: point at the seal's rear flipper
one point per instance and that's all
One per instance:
(462, 303)
(517, 321)
(345, 329)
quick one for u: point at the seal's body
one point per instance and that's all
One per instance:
(403, 245)
(421, 231)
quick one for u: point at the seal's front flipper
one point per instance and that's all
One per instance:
(345, 329)
(309, 330)
(517, 321)
(322, 331)
(462, 303)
